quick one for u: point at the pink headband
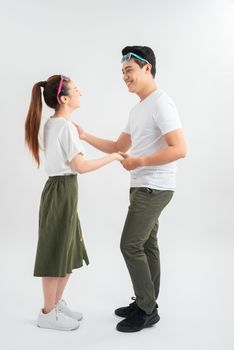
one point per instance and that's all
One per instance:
(60, 86)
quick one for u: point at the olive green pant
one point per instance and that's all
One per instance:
(139, 244)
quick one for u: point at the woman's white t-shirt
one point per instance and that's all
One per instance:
(148, 121)
(61, 144)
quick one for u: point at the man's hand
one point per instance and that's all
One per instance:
(130, 162)
(81, 132)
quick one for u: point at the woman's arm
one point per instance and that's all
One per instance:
(81, 165)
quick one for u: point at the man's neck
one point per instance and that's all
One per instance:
(151, 87)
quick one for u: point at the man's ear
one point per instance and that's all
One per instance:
(148, 68)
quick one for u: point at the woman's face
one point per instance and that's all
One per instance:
(73, 99)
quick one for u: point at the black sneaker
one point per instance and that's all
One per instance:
(126, 311)
(138, 320)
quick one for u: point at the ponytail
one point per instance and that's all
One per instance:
(33, 121)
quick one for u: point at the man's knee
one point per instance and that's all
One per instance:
(123, 247)
(129, 249)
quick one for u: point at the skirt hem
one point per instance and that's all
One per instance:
(59, 274)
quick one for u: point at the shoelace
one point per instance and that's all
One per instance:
(63, 302)
(134, 302)
(134, 298)
(59, 313)
(63, 306)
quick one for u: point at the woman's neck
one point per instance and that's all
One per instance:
(62, 113)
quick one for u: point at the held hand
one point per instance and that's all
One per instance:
(130, 162)
(81, 132)
(124, 155)
(118, 156)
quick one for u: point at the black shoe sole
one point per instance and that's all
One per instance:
(149, 324)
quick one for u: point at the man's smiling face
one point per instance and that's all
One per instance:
(134, 76)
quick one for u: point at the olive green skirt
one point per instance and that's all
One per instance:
(60, 246)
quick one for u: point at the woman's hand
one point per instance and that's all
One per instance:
(118, 156)
(81, 131)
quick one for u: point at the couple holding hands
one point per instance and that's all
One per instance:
(154, 136)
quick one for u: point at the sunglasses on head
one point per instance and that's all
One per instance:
(62, 78)
(129, 55)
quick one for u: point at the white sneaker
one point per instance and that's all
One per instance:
(62, 306)
(55, 319)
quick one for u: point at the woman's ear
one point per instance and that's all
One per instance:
(63, 99)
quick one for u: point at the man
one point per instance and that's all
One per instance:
(154, 134)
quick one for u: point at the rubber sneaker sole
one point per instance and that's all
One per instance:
(150, 323)
(59, 329)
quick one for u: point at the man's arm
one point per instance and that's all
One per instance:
(123, 143)
(176, 149)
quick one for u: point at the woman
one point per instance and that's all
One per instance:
(60, 244)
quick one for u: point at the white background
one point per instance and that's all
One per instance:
(193, 42)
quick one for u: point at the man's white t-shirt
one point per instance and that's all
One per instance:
(148, 121)
(61, 144)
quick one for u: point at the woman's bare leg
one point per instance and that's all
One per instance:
(62, 281)
(49, 285)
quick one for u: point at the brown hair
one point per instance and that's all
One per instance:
(33, 119)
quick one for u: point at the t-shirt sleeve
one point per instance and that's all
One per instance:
(70, 141)
(167, 117)
(127, 127)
